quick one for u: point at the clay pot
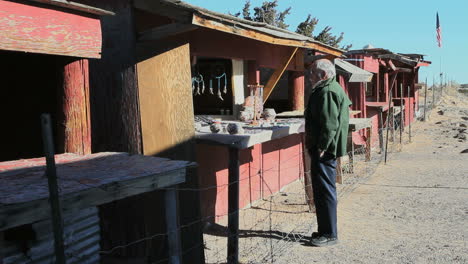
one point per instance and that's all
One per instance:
(235, 129)
(269, 114)
(245, 116)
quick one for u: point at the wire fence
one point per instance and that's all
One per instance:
(271, 225)
(278, 220)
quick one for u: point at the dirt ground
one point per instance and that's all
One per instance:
(414, 209)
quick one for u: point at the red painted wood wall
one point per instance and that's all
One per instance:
(36, 29)
(265, 169)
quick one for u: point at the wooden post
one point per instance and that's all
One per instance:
(172, 222)
(380, 128)
(75, 128)
(433, 91)
(389, 113)
(2, 247)
(54, 199)
(402, 117)
(296, 90)
(309, 194)
(233, 207)
(368, 143)
(425, 100)
(409, 113)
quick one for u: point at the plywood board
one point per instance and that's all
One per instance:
(166, 105)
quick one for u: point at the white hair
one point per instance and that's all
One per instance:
(324, 68)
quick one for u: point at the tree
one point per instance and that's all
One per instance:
(266, 13)
(269, 14)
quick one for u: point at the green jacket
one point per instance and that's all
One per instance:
(327, 119)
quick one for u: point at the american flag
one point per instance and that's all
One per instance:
(439, 31)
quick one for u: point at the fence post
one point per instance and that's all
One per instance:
(390, 111)
(51, 172)
(402, 114)
(233, 207)
(409, 113)
(172, 222)
(425, 101)
(368, 143)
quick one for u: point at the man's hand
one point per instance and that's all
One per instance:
(321, 153)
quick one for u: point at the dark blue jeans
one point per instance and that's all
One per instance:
(323, 173)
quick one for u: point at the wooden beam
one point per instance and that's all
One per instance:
(399, 69)
(165, 31)
(42, 30)
(260, 36)
(276, 76)
(2, 247)
(391, 65)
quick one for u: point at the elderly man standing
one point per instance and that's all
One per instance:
(327, 118)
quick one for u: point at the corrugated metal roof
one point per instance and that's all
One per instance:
(356, 74)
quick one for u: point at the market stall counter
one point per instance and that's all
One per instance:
(237, 169)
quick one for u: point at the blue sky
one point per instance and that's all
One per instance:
(406, 26)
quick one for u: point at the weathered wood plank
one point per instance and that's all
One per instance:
(23, 192)
(277, 76)
(41, 30)
(114, 95)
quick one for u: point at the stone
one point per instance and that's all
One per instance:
(215, 127)
(235, 129)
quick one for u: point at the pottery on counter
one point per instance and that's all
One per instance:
(215, 127)
(235, 129)
(269, 114)
(245, 116)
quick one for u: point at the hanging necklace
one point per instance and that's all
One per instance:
(219, 85)
(196, 83)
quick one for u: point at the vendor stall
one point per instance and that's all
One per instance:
(85, 182)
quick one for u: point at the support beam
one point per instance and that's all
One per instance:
(399, 69)
(391, 65)
(2, 247)
(165, 31)
(296, 90)
(277, 76)
(75, 125)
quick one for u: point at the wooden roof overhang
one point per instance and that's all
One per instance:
(187, 17)
(55, 27)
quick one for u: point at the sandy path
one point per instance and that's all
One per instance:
(412, 210)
